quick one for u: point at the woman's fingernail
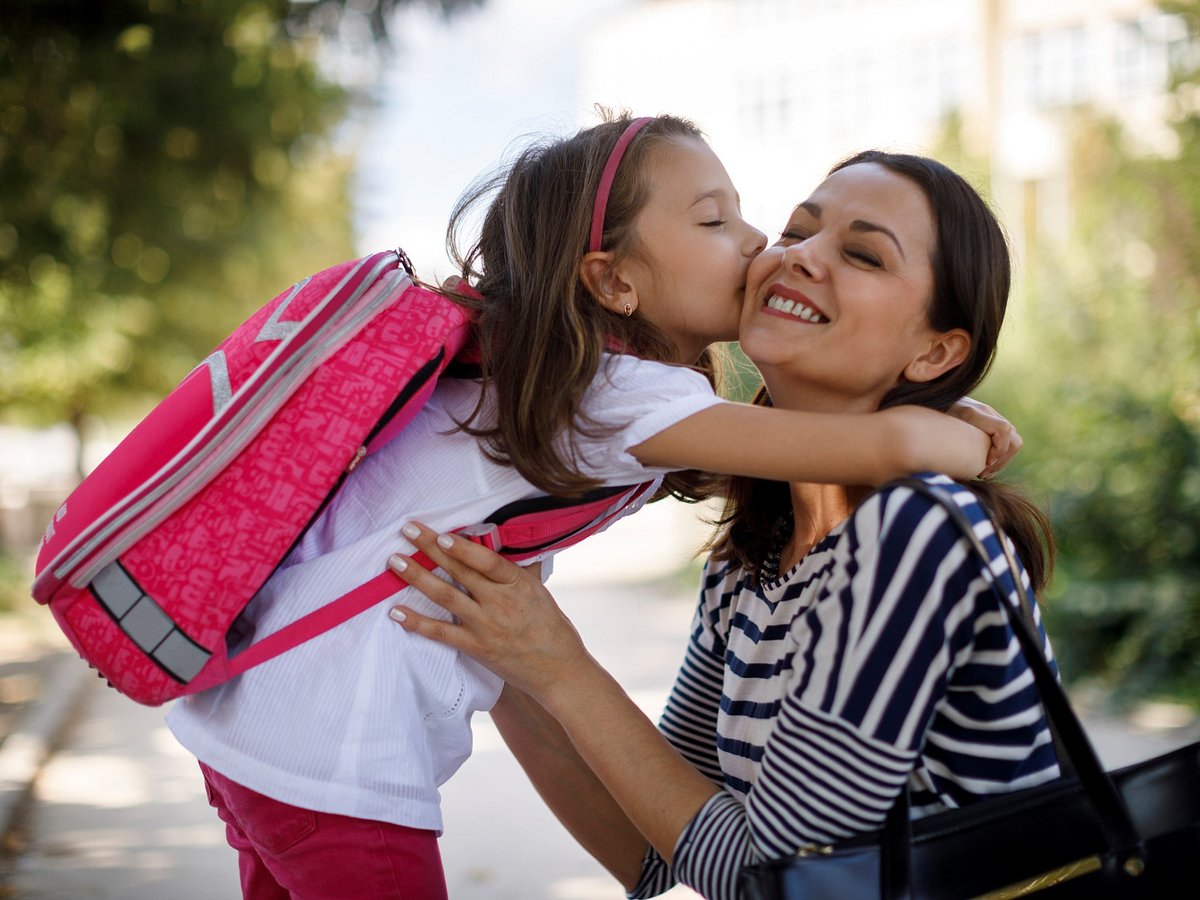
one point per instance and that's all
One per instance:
(397, 562)
(409, 530)
(445, 541)
(396, 614)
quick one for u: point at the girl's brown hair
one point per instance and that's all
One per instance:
(971, 280)
(541, 332)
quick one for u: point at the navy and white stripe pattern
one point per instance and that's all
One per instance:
(882, 656)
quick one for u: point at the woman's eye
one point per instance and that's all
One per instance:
(868, 259)
(793, 234)
(713, 223)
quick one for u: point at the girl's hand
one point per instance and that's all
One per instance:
(1006, 442)
(503, 616)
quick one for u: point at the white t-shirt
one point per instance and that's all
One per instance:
(367, 720)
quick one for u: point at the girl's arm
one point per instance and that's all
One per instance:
(543, 656)
(787, 445)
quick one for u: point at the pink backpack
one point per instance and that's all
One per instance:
(151, 559)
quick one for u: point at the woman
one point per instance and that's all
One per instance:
(845, 643)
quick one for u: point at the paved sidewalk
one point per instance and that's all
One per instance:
(118, 812)
(41, 683)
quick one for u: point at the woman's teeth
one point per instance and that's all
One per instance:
(792, 308)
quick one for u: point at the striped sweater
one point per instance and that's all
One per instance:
(882, 656)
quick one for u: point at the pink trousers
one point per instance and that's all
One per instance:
(289, 853)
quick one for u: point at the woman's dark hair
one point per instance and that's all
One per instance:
(541, 332)
(971, 281)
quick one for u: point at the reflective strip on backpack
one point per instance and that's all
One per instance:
(273, 330)
(147, 624)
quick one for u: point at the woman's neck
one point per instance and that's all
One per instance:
(816, 508)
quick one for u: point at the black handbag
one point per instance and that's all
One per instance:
(1133, 832)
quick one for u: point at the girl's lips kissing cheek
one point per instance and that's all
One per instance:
(791, 305)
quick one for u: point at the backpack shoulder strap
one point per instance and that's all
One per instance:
(519, 531)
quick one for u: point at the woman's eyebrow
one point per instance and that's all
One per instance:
(860, 225)
(814, 210)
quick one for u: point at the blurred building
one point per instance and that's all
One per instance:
(784, 88)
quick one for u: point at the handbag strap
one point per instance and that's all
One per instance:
(1111, 812)
(1066, 765)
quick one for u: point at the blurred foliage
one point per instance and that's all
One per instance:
(1100, 371)
(14, 582)
(349, 18)
(738, 378)
(166, 166)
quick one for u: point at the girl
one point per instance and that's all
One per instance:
(325, 762)
(846, 645)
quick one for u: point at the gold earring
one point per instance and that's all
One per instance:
(628, 310)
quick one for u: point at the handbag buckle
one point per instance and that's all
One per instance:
(814, 850)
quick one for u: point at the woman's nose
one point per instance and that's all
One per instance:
(803, 257)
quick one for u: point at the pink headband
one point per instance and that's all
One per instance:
(607, 177)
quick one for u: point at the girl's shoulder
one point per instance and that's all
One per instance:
(627, 387)
(625, 371)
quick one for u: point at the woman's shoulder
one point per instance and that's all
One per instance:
(722, 583)
(905, 527)
(897, 503)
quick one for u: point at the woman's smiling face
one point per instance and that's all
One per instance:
(837, 309)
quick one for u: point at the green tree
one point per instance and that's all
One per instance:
(165, 167)
(1111, 340)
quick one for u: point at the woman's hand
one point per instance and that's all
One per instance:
(505, 617)
(1006, 442)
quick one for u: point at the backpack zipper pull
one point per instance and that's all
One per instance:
(359, 455)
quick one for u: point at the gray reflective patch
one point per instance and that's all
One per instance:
(218, 378)
(115, 590)
(146, 624)
(274, 330)
(180, 656)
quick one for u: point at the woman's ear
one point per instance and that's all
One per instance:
(946, 350)
(605, 283)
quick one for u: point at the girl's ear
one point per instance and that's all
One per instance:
(946, 350)
(605, 283)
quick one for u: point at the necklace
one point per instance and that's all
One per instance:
(769, 569)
